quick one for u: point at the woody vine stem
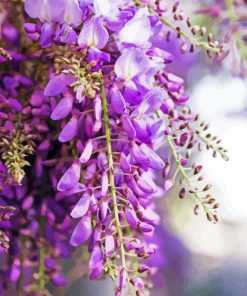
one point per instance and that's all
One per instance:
(111, 176)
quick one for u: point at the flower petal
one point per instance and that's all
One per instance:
(136, 31)
(62, 109)
(69, 131)
(104, 184)
(93, 34)
(82, 232)
(117, 101)
(131, 63)
(86, 154)
(97, 108)
(155, 161)
(128, 127)
(57, 84)
(70, 178)
(81, 208)
(109, 244)
(130, 216)
(96, 257)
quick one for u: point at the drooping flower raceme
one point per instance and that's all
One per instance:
(113, 110)
(229, 17)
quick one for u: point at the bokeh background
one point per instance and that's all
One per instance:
(203, 259)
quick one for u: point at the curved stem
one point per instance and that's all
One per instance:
(191, 39)
(111, 176)
(182, 170)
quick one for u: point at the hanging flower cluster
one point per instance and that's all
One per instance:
(230, 16)
(88, 102)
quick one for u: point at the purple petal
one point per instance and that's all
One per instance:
(131, 217)
(155, 161)
(125, 165)
(59, 280)
(152, 101)
(73, 13)
(81, 208)
(148, 215)
(136, 31)
(93, 34)
(146, 186)
(65, 34)
(105, 8)
(80, 93)
(50, 263)
(44, 10)
(145, 227)
(109, 244)
(87, 152)
(141, 130)
(97, 108)
(36, 9)
(136, 189)
(117, 101)
(96, 272)
(134, 245)
(57, 84)
(15, 271)
(62, 109)
(131, 63)
(103, 210)
(104, 184)
(71, 177)
(15, 104)
(123, 279)
(69, 131)
(37, 98)
(77, 189)
(95, 239)
(30, 27)
(139, 156)
(143, 268)
(9, 82)
(96, 257)
(128, 127)
(137, 282)
(131, 197)
(46, 35)
(82, 232)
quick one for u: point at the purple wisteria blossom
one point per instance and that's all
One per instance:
(94, 129)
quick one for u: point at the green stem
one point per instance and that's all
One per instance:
(192, 40)
(42, 269)
(212, 147)
(41, 279)
(111, 176)
(182, 170)
(21, 278)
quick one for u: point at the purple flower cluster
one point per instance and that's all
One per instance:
(229, 17)
(104, 120)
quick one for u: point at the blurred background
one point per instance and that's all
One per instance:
(201, 258)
